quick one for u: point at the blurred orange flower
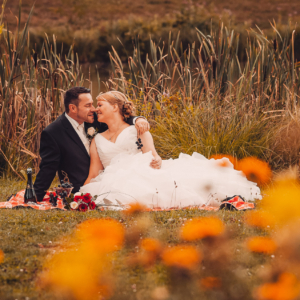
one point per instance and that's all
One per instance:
(260, 244)
(200, 228)
(101, 234)
(135, 208)
(224, 162)
(259, 219)
(1, 256)
(282, 201)
(209, 283)
(151, 245)
(255, 170)
(182, 257)
(151, 248)
(286, 288)
(79, 273)
(145, 259)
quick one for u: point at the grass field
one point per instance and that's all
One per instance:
(28, 238)
(228, 269)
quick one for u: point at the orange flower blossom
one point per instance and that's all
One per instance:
(151, 245)
(1, 256)
(286, 288)
(209, 283)
(255, 170)
(186, 257)
(259, 219)
(80, 273)
(135, 208)
(260, 244)
(282, 201)
(200, 228)
(101, 234)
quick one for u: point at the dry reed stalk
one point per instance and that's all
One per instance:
(32, 87)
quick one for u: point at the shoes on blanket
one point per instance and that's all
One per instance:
(236, 202)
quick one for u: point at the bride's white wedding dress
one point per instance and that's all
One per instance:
(188, 180)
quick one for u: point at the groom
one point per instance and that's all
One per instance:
(65, 145)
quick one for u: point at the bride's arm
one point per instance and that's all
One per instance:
(148, 145)
(95, 163)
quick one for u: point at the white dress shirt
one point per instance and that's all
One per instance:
(79, 128)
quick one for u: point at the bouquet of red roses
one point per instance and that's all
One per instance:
(82, 202)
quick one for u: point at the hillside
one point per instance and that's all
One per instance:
(91, 13)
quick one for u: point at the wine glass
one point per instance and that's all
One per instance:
(64, 190)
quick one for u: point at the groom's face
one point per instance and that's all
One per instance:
(85, 108)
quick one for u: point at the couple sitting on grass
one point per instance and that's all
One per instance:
(109, 152)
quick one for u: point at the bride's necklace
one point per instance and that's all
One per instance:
(115, 132)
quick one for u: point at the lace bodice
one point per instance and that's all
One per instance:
(125, 143)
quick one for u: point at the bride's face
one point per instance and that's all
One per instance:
(105, 110)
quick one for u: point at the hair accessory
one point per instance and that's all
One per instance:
(125, 100)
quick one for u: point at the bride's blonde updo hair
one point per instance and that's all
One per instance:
(126, 107)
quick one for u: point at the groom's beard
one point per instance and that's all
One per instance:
(90, 118)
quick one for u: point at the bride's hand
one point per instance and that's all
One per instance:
(156, 162)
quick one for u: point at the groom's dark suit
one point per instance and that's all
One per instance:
(62, 150)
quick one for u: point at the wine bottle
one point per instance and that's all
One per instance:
(29, 195)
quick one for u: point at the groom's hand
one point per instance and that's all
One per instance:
(142, 126)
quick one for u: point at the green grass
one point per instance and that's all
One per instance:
(196, 132)
(28, 237)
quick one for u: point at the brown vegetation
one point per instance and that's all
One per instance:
(94, 26)
(199, 97)
(91, 13)
(286, 141)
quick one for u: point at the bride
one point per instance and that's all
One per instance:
(125, 167)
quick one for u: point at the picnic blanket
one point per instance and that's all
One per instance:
(231, 203)
(17, 201)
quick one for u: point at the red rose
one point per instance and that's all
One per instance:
(83, 207)
(87, 198)
(92, 205)
(77, 198)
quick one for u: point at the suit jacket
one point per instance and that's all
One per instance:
(62, 150)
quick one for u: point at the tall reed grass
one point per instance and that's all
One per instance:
(32, 86)
(198, 98)
(205, 99)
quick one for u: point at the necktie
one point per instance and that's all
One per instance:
(83, 137)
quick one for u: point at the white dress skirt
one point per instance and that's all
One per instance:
(186, 181)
